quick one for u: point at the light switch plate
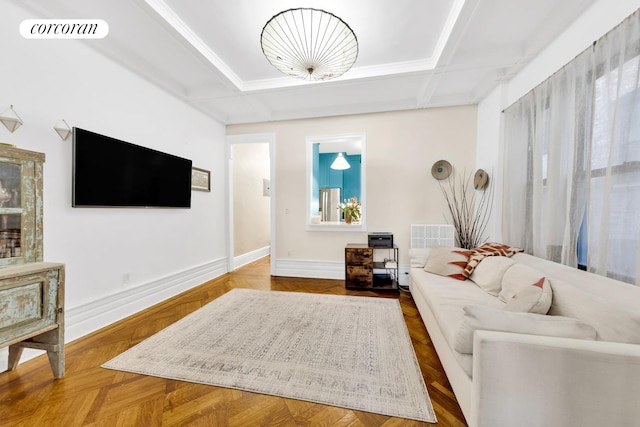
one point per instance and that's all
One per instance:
(266, 188)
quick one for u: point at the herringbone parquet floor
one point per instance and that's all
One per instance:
(89, 395)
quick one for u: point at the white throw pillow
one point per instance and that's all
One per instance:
(478, 317)
(516, 278)
(532, 299)
(418, 257)
(447, 261)
(488, 274)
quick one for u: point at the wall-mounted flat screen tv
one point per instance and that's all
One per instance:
(108, 172)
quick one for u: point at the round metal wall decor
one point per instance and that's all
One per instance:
(441, 169)
(480, 180)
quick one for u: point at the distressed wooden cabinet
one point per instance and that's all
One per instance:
(32, 311)
(31, 291)
(373, 268)
(20, 206)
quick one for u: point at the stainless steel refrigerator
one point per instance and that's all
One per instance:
(329, 202)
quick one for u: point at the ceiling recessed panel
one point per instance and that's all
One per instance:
(387, 31)
(339, 98)
(412, 53)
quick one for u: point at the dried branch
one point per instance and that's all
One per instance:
(468, 215)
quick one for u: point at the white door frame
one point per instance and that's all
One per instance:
(269, 138)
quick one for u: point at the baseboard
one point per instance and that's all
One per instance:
(250, 257)
(84, 319)
(310, 269)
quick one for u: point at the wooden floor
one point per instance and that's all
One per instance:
(89, 395)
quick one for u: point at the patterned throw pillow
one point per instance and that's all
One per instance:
(486, 250)
(447, 261)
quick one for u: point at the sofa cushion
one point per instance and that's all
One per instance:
(447, 261)
(532, 299)
(446, 299)
(613, 320)
(617, 292)
(478, 317)
(488, 274)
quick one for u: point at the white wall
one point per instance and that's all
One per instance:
(489, 155)
(162, 250)
(590, 26)
(251, 208)
(401, 148)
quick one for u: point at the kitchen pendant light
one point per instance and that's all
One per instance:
(340, 163)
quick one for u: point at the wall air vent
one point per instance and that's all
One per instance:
(431, 235)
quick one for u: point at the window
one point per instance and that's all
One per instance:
(611, 222)
(572, 160)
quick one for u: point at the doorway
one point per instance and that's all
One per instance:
(251, 192)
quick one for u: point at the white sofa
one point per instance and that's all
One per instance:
(517, 379)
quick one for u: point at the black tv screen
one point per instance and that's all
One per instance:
(108, 172)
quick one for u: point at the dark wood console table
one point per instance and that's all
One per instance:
(371, 267)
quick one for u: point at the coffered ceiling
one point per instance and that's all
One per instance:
(412, 53)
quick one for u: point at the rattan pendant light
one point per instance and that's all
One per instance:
(309, 44)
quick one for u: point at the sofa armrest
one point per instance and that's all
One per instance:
(527, 380)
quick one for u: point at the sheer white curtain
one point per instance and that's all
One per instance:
(613, 223)
(572, 160)
(545, 193)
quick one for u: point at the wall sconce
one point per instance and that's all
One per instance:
(10, 119)
(63, 129)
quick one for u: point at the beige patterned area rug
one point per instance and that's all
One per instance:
(345, 351)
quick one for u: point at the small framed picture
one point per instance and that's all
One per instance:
(200, 179)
